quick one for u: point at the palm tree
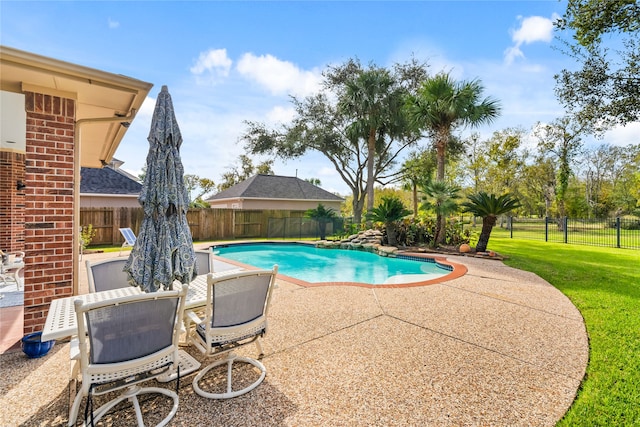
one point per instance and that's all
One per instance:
(417, 170)
(389, 212)
(323, 216)
(441, 198)
(443, 104)
(489, 207)
(375, 100)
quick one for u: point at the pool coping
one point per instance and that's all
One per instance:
(457, 270)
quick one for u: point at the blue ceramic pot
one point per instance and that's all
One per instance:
(34, 347)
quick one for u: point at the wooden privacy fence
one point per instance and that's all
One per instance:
(205, 224)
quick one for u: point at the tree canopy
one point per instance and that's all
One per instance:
(605, 91)
(244, 169)
(356, 121)
(489, 207)
(443, 104)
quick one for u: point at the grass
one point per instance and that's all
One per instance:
(106, 248)
(604, 284)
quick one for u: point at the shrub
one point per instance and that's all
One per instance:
(87, 233)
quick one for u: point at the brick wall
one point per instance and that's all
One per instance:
(49, 205)
(11, 201)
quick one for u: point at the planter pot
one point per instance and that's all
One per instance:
(34, 347)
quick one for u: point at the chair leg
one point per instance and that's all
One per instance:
(229, 360)
(73, 412)
(130, 394)
(259, 345)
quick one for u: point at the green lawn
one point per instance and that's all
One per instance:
(604, 284)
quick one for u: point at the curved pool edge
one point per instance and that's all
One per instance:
(458, 270)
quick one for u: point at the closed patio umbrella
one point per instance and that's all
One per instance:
(163, 251)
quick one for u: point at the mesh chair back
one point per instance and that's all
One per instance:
(132, 330)
(239, 300)
(107, 275)
(203, 262)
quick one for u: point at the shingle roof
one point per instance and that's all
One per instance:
(107, 181)
(276, 187)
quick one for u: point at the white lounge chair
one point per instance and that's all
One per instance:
(129, 238)
(124, 342)
(235, 315)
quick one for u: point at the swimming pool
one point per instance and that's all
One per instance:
(315, 265)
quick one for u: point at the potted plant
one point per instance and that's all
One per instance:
(34, 347)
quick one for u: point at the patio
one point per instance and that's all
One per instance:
(497, 346)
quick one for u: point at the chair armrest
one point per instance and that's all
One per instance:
(189, 317)
(192, 316)
(74, 349)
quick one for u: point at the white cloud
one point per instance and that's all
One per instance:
(511, 53)
(146, 109)
(280, 114)
(623, 135)
(214, 61)
(113, 24)
(277, 76)
(430, 52)
(532, 29)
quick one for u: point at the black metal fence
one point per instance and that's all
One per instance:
(282, 228)
(610, 232)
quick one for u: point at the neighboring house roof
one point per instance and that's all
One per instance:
(108, 180)
(275, 187)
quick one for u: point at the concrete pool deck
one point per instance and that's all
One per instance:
(497, 346)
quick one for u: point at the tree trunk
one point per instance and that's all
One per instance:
(357, 204)
(391, 235)
(441, 224)
(371, 154)
(442, 137)
(322, 228)
(487, 225)
(415, 201)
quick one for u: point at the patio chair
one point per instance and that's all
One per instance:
(107, 275)
(124, 342)
(13, 270)
(235, 315)
(204, 260)
(129, 239)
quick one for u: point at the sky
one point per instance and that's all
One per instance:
(226, 62)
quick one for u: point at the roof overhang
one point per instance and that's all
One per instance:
(109, 195)
(272, 199)
(98, 95)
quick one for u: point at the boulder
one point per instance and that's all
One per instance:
(387, 250)
(368, 247)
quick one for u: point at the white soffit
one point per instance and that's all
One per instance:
(98, 95)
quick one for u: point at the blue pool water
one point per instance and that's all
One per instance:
(314, 265)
